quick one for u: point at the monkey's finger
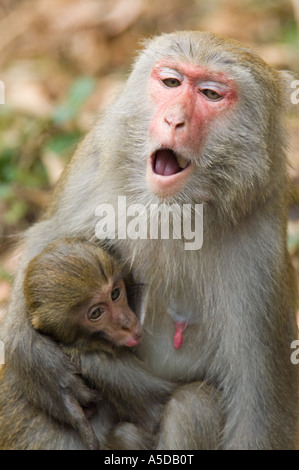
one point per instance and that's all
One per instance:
(79, 421)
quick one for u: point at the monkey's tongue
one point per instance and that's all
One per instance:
(165, 163)
(178, 335)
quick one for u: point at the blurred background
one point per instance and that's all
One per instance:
(61, 61)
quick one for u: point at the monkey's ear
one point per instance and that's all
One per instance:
(286, 80)
(36, 316)
(35, 322)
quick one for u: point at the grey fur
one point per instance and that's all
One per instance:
(239, 285)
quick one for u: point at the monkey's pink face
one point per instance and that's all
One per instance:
(187, 100)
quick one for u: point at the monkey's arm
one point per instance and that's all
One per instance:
(125, 381)
(259, 382)
(48, 378)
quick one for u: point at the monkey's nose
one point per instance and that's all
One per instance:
(175, 117)
(174, 122)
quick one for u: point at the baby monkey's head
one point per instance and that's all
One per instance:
(75, 290)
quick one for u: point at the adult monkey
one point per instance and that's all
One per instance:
(198, 121)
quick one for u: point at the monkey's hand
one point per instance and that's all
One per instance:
(81, 423)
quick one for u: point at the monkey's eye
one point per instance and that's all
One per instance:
(115, 294)
(171, 82)
(95, 314)
(211, 94)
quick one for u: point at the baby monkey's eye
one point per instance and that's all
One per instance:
(115, 293)
(211, 94)
(171, 82)
(96, 313)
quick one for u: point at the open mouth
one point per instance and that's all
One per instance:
(167, 172)
(166, 162)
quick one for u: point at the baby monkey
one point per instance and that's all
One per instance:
(75, 293)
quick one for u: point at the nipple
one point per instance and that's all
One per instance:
(178, 335)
